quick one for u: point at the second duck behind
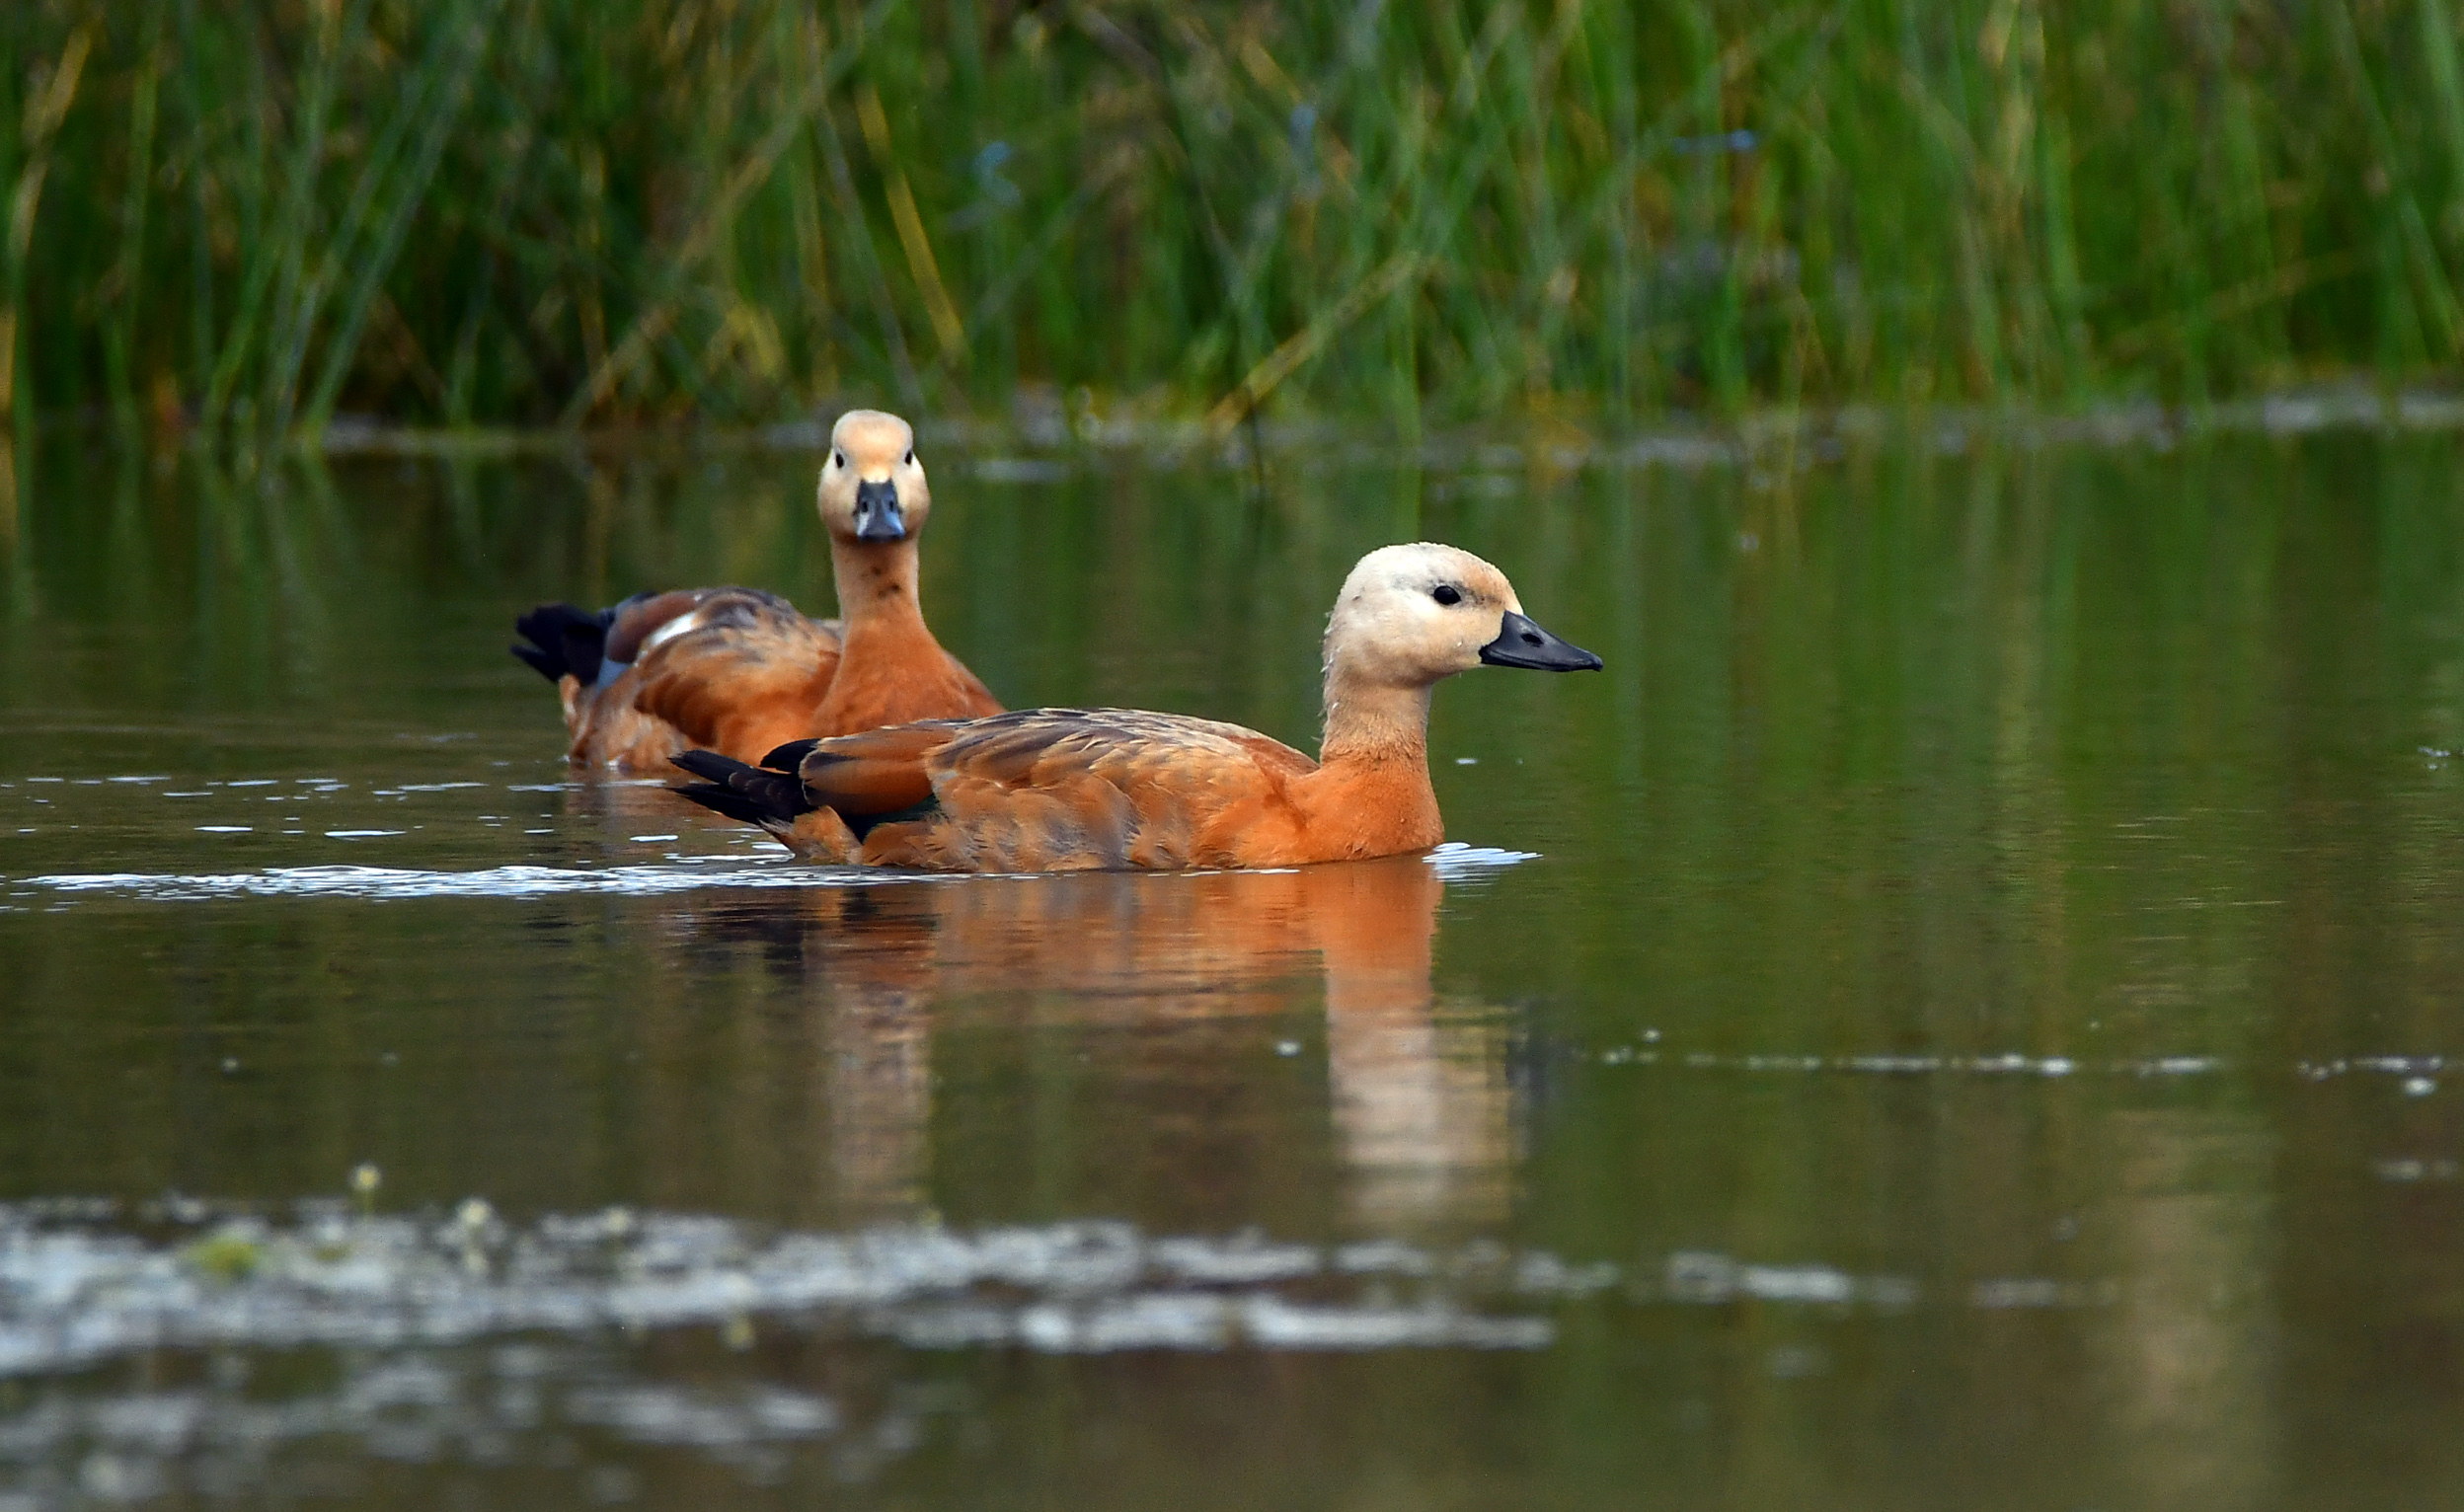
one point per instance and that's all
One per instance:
(738, 670)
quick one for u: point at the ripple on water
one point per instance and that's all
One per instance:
(464, 1338)
(677, 875)
(74, 1293)
(80, 1285)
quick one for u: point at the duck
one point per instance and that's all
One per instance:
(741, 671)
(1065, 790)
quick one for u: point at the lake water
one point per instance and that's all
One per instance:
(1963, 1013)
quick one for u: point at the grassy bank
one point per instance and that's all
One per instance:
(253, 214)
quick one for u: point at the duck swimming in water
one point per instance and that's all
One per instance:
(740, 671)
(1061, 790)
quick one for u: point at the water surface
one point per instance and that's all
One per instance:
(1960, 1013)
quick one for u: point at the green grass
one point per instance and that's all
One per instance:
(256, 214)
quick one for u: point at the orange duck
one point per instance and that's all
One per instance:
(740, 671)
(1065, 790)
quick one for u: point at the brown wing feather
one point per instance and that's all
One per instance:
(742, 677)
(1060, 789)
(879, 772)
(638, 617)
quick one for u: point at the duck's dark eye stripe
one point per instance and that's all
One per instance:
(1446, 594)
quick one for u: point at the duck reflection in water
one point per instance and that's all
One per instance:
(1422, 1107)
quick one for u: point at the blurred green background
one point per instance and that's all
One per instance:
(260, 214)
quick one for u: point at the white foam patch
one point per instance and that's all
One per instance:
(78, 1287)
(390, 882)
(2409, 1067)
(76, 1292)
(1455, 859)
(560, 1412)
(2050, 1066)
(682, 873)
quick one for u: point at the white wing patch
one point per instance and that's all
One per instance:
(668, 632)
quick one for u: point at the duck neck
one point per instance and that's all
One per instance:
(877, 588)
(1375, 727)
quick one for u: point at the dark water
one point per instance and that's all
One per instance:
(1962, 1014)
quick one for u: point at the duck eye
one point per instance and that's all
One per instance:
(1447, 594)
(910, 460)
(837, 458)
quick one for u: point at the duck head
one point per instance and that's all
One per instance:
(1409, 616)
(873, 490)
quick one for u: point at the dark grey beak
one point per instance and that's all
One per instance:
(876, 512)
(1521, 643)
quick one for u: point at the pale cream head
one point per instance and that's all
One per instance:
(1411, 615)
(873, 488)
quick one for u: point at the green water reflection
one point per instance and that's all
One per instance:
(2129, 767)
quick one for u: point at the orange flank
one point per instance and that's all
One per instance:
(1066, 789)
(740, 671)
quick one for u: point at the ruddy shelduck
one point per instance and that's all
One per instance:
(740, 671)
(1063, 790)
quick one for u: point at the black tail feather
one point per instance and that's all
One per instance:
(750, 794)
(790, 756)
(564, 639)
(726, 802)
(548, 666)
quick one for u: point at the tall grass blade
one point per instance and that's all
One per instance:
(484, 211)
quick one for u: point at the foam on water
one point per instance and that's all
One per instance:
(1455, 860)
(679, 874)
(79, 1284)
(75, 1292)
(513, 881)
(462, 1339)
(554, 1409)
(2012, 1064)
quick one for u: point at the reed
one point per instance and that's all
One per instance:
(256, 215)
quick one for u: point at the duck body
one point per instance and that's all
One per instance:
(1072, 789)
(1058, 789)
(741, 671)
